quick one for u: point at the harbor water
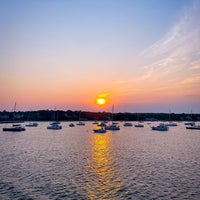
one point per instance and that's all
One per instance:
(75, 163)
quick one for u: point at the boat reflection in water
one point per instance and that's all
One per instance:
(103, 180)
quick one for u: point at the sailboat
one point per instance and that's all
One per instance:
(55, 125)
(138, 125)
(31, 124)
(190, 123)
(170, 123)
(14, 127)
(80, 123)
(113, 126)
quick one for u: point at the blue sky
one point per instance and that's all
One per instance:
(113, 23)
(72, 51)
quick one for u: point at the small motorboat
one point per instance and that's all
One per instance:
(16, 125)
(160, 127)
(71, 125)
(171, 124)
(112, 127)
(127, 124)
(139, 125)
(100, 130)
(54, 126)
(102, 124)
(32, 124)
(55, 122)
(80, 123)
(190, 123)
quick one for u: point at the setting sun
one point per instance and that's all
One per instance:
(101, 101)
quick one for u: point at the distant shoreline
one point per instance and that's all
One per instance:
(69, 115)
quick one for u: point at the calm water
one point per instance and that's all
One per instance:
(75, 163)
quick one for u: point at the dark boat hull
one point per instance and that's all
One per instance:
(14, 129)
(193, 127)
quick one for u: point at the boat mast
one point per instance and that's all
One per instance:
(169, 115)
(14, 110)
(112, 111)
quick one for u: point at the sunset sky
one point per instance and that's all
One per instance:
(140, 55)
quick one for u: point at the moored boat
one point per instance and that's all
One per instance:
(32, 124)
(171, 124)
(100, 130)
(160, 127)
(195, 127)
(127, 124)
(14, 128)
(102, 124)
(190, 123)
(71, 125)
(80, 123)
(55, 122)
(139, 125)
(112, 127)
(54, 126)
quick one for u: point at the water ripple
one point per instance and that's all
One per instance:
(77, 164)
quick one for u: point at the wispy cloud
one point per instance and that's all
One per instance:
(193, 80)
(177, 55)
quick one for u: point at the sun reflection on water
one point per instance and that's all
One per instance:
(103, 179)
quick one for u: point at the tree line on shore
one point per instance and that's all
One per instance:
(51, 115)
